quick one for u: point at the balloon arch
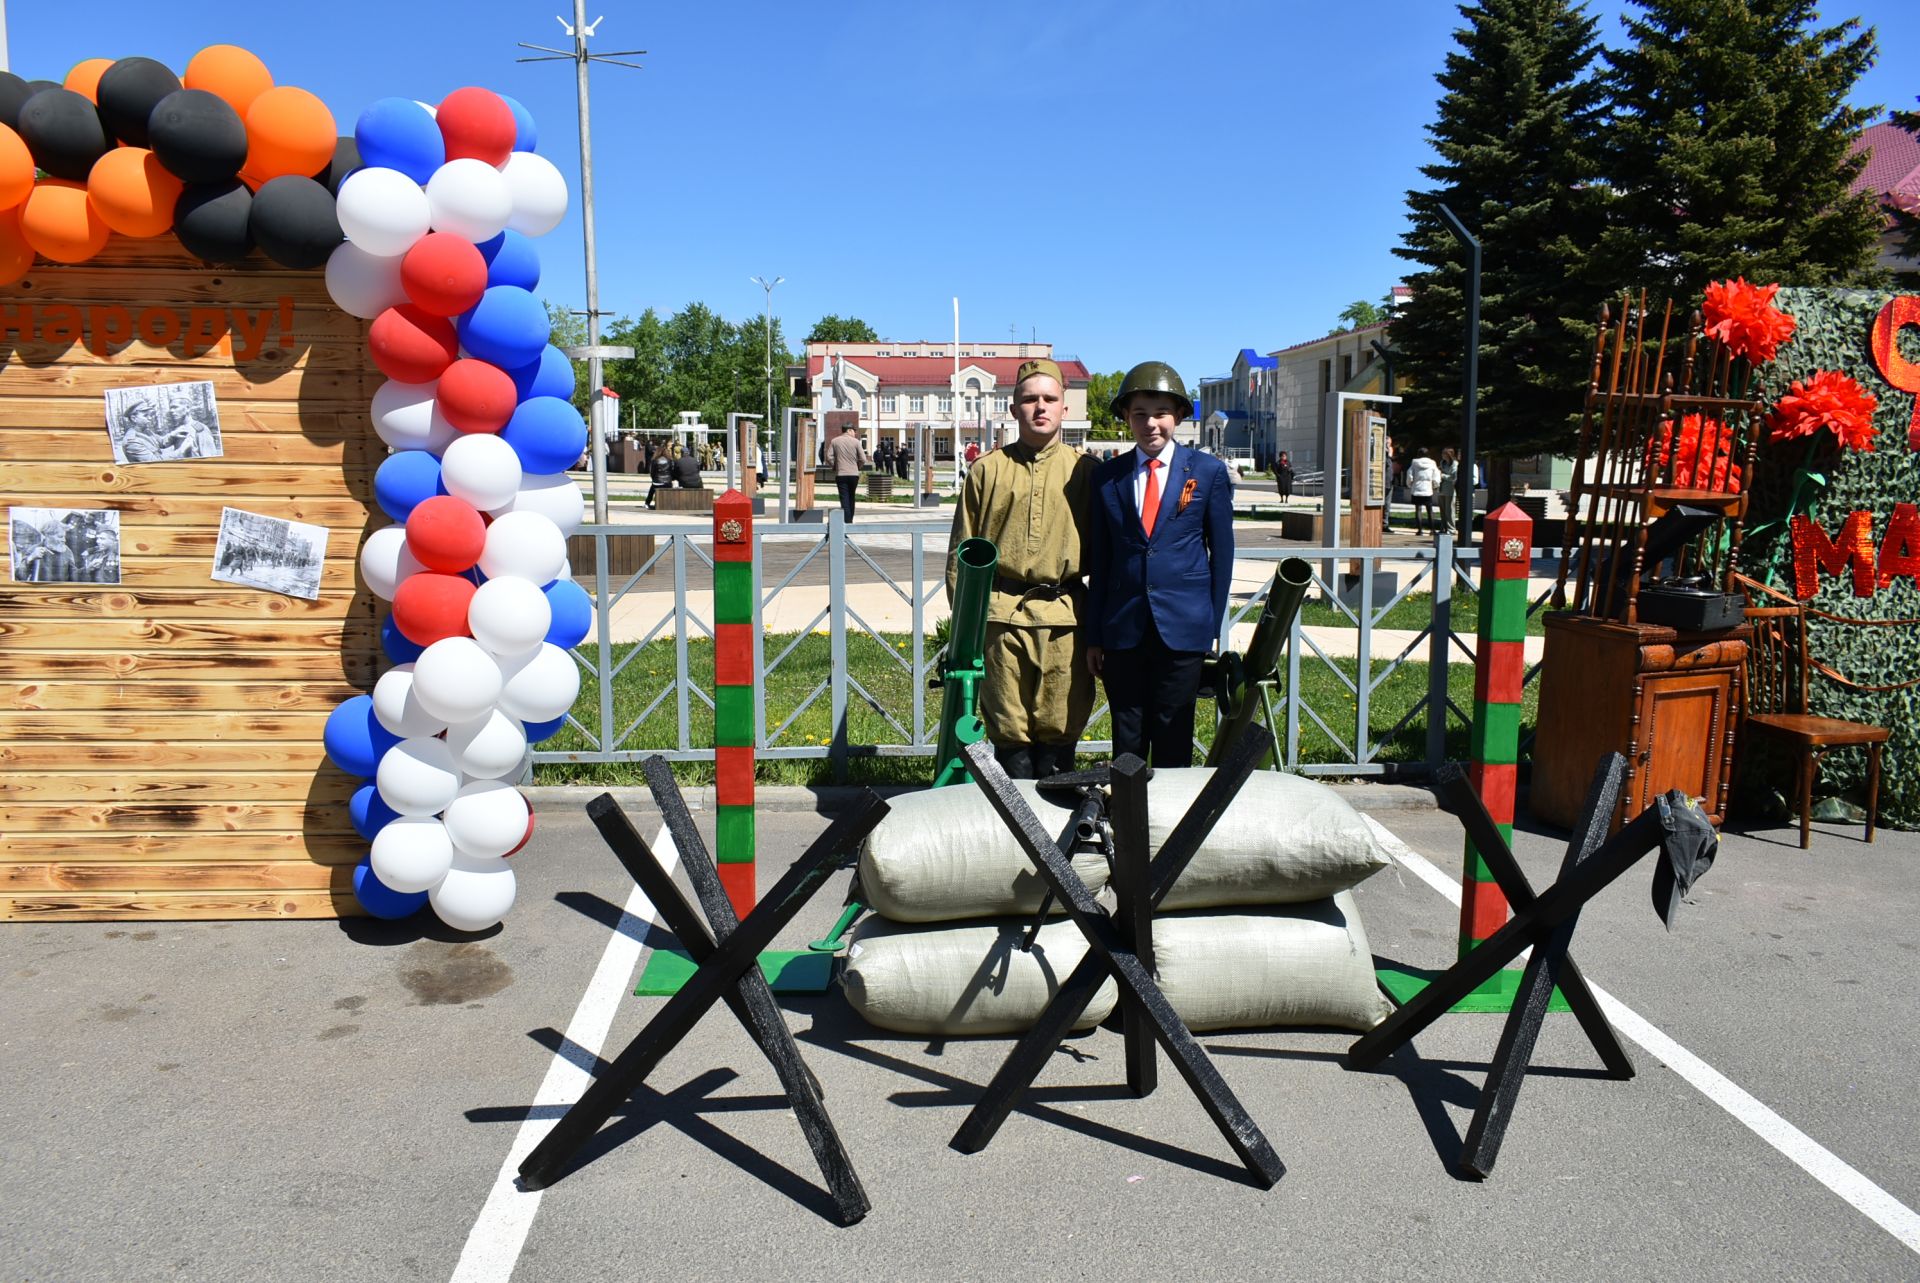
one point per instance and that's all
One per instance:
(422, 218)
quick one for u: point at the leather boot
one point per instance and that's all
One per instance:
(1051, 759)
(1015, 759)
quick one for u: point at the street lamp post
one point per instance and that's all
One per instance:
(767, 315)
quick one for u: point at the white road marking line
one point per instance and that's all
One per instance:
(1867, 1198)
(500, 1232)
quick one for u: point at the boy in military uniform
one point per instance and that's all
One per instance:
(1030, 499)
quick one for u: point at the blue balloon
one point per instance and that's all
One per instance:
(547, 433)
(551, 375)
(395, 643)
(572, 613)
(512, 260)
(508, 327)
(355, 739)
(369, 813)
(381, 900)
(537, 731)
(405, 480)
(525, 136)
(398, 133)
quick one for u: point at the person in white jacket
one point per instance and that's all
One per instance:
(1423, 478)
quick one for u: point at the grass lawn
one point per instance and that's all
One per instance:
(651, 672)
(1414, 611)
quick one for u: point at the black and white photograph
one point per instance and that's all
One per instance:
(164, 422)
(65, 545)
(270, 552)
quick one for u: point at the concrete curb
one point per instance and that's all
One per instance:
(829, 798)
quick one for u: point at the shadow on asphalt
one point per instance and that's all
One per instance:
(614, 918)
(423, 925)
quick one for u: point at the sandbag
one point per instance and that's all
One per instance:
(1248, 968)
(942, 855)
(1285, 840)
(963, 977)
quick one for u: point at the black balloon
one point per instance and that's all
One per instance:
(35, 86)
(129, 91)
(211, 220)
(197, 136)
(14, 93)
(63, 131)
(346, 159)
(294, 222)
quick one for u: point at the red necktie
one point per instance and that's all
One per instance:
(1150, 506)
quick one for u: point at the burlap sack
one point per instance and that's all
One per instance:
(963, 977)
(1248, 968)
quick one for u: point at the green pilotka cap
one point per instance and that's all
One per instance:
(1037, 366)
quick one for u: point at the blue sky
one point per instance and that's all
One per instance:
(1124, 180)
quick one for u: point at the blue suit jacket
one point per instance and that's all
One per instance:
(1179, 578)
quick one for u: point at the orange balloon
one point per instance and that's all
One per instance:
(229, 72)
(16, 256)
(289, 131)
(16, 169)
(84, 79)
(132, 192)
(60, 224)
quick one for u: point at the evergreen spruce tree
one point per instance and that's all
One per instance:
(1518, 163)
(1729, 153)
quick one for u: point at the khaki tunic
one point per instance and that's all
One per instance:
(1035, 507)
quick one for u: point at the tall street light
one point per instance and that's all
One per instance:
(767, 285)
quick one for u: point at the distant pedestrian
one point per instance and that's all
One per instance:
(1423, 478)
(1446, 495)
(660, 468)
(1283, 475)
(847, 454)
(686, 470)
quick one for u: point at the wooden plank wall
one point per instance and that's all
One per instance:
(160, 740)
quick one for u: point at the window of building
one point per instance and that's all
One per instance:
(916, 405)
(989, 352)
(887, 404)
(1346, 369)
(939, 351)
(946, 405)
(883, 352)
(1001, 404)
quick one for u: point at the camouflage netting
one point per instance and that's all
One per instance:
(1833, 334)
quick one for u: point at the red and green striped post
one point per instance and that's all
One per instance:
(1499, 673)
(734, 696)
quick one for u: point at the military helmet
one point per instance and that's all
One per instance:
(1151, 376)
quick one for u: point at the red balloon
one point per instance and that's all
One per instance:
(430, 607)
(443, 274)
(475, 396)
(529, 835)
(446, 534)
(477, 123)
(411, 346)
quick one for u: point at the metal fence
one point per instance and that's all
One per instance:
(1322, 707)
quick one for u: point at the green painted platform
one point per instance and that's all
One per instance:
(788, 971)
(1404, 983)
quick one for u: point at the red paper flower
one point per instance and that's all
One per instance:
(1829, 399)
(1702, 457)
(1743, 318)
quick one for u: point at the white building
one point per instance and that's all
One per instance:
(896, 387)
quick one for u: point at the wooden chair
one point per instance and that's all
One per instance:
(1776, 700)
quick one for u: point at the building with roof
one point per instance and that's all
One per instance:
(898, 386)
(1892, 174)
(1235, 413)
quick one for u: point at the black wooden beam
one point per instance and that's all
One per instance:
(1127, 813)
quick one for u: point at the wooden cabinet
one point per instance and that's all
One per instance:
(1669, 701)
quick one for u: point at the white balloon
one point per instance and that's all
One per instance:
(418, 776)
(385, 561)
(509, 616)
(363, 284)
(541, 687)
(469, 198)
(406, 418)
(382, 211)
(431, 109)
(526, 544)
(487, 819)
(412, 853)
(555, 496)
(482, 469)
(399, 710)
(475, 894)
(539, 193)
(489, 748)
(456, 680)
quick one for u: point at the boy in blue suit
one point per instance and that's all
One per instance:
(1159, 566)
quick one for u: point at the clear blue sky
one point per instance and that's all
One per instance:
(1126, 180)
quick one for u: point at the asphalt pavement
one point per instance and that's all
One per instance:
(339, 1101)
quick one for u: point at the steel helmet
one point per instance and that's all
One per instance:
(1151, 376)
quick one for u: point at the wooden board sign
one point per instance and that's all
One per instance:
(160, 737)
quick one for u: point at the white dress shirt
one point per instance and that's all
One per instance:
(1140, 473)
